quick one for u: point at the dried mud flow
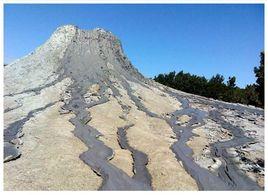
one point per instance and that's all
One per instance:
(143, 131)
(228, 176)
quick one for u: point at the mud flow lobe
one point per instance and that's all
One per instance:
(228, 176)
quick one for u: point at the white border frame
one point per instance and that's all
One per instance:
(126, 2)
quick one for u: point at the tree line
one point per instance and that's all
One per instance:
(216, 88)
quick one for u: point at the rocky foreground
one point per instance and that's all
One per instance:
(79, 116)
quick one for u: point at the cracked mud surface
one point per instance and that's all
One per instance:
(85, 119)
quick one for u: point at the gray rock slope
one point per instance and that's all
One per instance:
(211, 144)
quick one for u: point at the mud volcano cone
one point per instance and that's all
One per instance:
(79, 116)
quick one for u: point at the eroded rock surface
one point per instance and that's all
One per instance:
(79, 116)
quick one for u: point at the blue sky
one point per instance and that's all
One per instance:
(200, 39)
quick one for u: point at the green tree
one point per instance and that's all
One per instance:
(259, 73)
(231, 82)
(170, 79)
(252, 95)
(160, 79)
(216, 87)
(229, 92)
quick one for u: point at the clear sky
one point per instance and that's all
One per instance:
(200, 39)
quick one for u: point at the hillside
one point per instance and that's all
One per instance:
(79, 116)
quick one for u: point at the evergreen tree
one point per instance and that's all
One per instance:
(216, 88)
(252, 95)
(231, 82)
(259, 73)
